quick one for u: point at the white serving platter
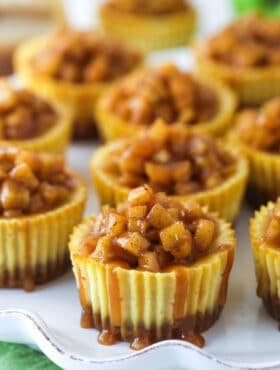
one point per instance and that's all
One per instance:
(245, 337)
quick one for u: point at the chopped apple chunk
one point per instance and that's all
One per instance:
(158, 173)
(139, 225)
(104, 251)
(149, 261)
(133, 242)
(137, 212)
(177, 240)
(192, 210)
(159, 217)
(141, 195)
(204, 234)
(116, 224)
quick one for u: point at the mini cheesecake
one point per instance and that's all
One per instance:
(40, 202)
(151, 269)
(30, 122)
(149, 24)
(135, 102)
(246, 55)
(174, 159)
(265, 240)
(256, 134)
(73, 68)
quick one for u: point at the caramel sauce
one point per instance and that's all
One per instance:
(107, 338)
(114, 296)
(196, 339)
(87, 318)
(224, 284)
(28, 281)
(181, 287)
(139, 343)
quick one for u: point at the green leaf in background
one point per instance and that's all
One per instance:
(21, 357)
(269, 7)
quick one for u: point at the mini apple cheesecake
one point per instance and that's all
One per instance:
(257, 134)
(133, 104)
(28, 121)
(174, 159)
(152, 269)
(73, 68)
(265, 239)
(245, 54)
(40, 202)
(149, 24)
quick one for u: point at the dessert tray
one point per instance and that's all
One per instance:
(245, 337)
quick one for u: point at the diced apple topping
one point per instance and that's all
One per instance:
(164, 92)
(23, 115)
(150, 231)
(32, 183)
(172, 159)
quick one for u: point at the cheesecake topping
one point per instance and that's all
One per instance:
(32, 183)
(164, 92)
(252, 41)
(153, 7)
(83, 57)
(150, 232)
(260, 128)
(23, 115)
(171, 158)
